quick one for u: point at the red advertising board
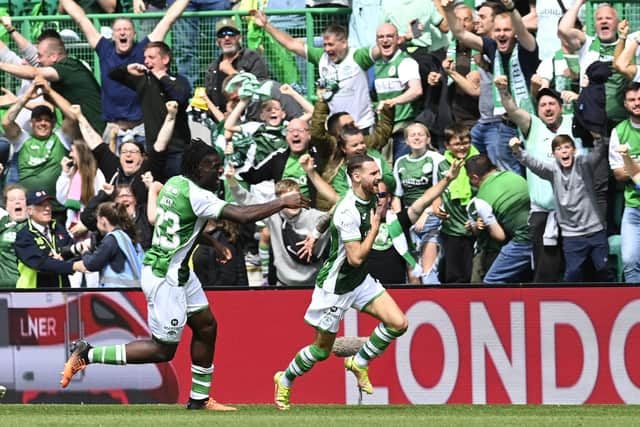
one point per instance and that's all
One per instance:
(464, 345)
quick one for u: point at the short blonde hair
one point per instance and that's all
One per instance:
(416, 124)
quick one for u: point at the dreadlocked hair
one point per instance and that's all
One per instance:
(193, 155)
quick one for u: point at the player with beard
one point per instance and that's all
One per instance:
(120, 105)
(174, 293)
(343, 282)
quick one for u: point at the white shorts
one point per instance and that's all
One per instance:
(169, 306)
(327, 309)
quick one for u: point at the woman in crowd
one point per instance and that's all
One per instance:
(118, 257)
(79, 181)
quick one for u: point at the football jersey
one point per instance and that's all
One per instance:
(183, 209)
(414, 175)
(350, 223)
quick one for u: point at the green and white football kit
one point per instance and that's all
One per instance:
(340, 285)
(173, 291)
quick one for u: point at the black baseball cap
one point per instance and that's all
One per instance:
(548, 92)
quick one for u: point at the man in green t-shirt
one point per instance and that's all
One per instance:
(68, 76)
(38, 152)
(397, 83)
(174, 293)
(503, 204)
(627, 134)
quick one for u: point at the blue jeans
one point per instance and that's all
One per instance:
(512, 264)
(492, 139)
(400, 147)
(577, 250)
(429, 234)
(187, 33)
(629, 247)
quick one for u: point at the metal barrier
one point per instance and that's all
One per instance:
(302, 23)
(629, 10)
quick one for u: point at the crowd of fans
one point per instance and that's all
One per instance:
(545, 118)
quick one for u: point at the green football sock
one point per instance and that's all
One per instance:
(303, 362)
(200, 382)
(108, 355)
(377, 343)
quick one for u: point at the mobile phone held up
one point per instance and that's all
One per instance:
(416, 30)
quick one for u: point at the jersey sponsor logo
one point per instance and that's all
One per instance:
(172, 190)
(410, 182)
(165, 201)
(36, 161)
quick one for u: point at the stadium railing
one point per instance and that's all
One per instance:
(629, 10)
(313, 22)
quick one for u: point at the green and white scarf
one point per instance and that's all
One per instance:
(400, 242)
(249, 87)
(560, 81)
(594, 52)
(517, 84)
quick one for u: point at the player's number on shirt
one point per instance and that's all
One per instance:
(167, 227)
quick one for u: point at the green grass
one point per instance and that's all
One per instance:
(320, 415)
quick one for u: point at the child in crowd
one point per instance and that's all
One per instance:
(79, 181)
(296, 264)
(457, 241)
(414, 173)
(118, 257)
(248, 144)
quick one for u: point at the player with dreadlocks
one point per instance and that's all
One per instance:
(174, 293)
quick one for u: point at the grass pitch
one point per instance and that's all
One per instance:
(320, 415)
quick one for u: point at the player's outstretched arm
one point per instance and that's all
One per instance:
(249, 213)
